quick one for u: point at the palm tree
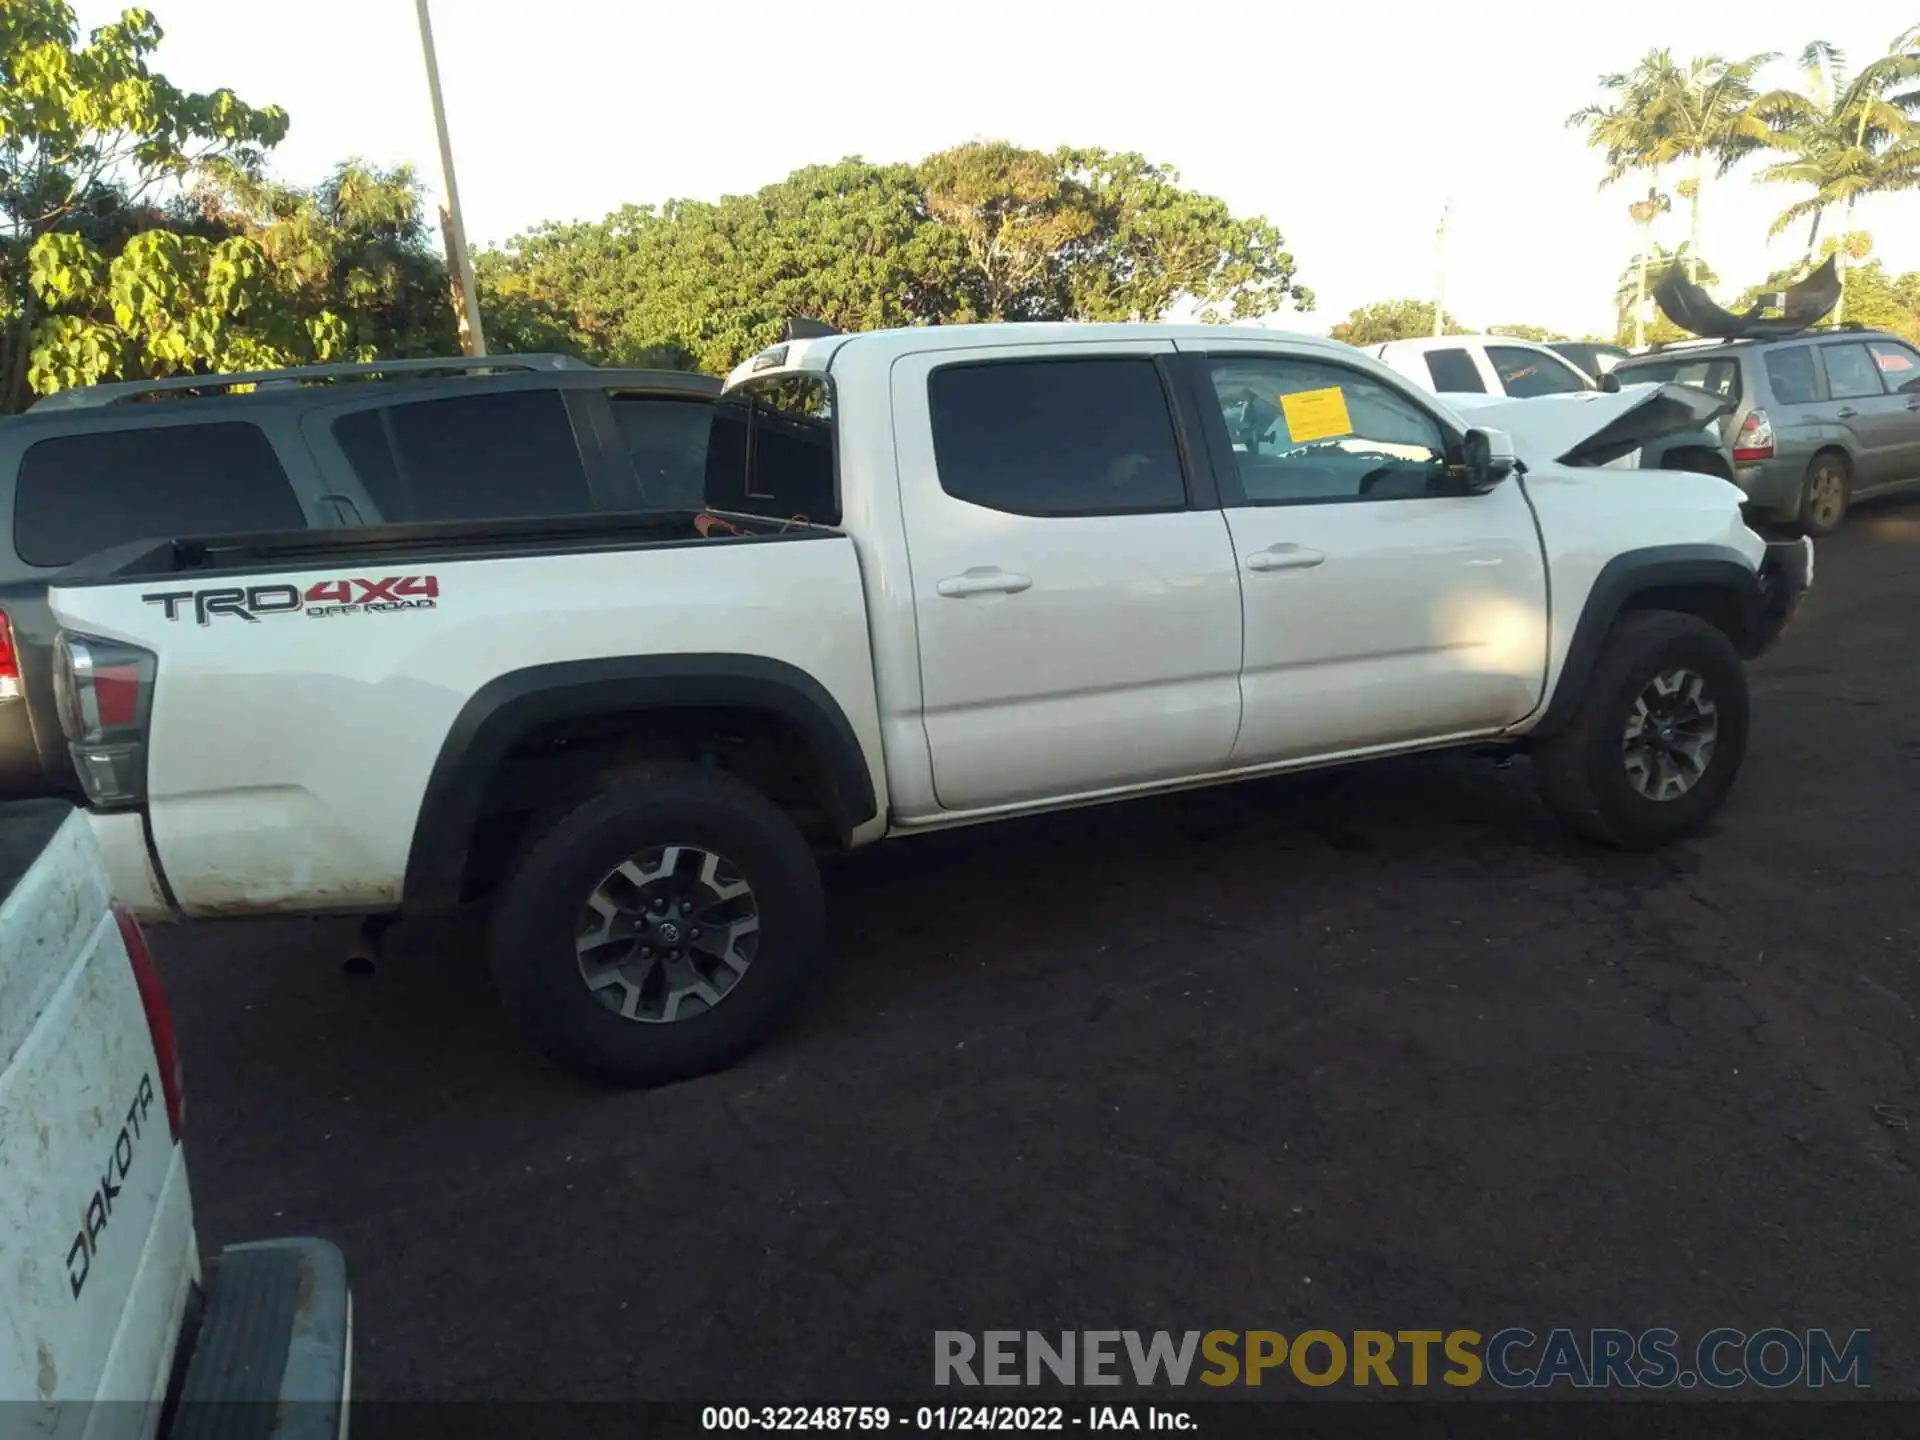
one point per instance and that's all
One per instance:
(1644, 212)
(1847, 136)
(1667, 113)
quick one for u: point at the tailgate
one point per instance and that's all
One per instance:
(95, 1225)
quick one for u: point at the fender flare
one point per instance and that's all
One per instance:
(508, 707)
(1658, 567)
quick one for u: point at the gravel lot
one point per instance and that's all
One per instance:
(1375, 1049)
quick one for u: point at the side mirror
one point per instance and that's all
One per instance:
(1487, 458)
(1610, 383)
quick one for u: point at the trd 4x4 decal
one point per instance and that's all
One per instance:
(319, 600)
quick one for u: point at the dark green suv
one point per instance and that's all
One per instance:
(317, 448)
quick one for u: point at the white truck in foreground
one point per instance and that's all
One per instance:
(104, 1327)
(945, 576)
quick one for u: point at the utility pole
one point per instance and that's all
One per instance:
(453, 229)
(1440, 272)
(1644, 213)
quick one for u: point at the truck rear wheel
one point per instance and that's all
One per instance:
(1659, 737)
(661, 929)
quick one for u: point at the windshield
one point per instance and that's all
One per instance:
(1719, 375)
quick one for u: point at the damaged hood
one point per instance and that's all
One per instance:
(1592, 427)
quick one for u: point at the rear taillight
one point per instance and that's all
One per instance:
(1755, 440)
(159, 1019)
(9, 661)
(104, 691)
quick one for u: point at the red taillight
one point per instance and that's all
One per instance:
(1755, 440)
(159, 1019)
(9, 661)
(103, 690)
(118, 690)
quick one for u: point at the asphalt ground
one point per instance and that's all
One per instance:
(1373, 1049)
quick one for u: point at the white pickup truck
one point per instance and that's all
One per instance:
(104, 1327)
(946, 576)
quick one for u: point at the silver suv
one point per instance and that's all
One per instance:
(1820, 418)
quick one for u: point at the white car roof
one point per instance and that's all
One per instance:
(816, 354)
(1454, 342)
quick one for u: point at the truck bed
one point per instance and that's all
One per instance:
(310, 685)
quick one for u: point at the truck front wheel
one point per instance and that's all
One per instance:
(661, 929)
(1659, 737)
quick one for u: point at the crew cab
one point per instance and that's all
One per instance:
(942, 577)
(112, 1330)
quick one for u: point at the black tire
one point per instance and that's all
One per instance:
(539, 908)
(1826, 494)
(1583, 772)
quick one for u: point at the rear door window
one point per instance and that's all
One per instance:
(1454, 373)
(506, 455)
(1851, 373)
(1899, 365)
(79, 494)
(1526, 373)
(1793, 377)
(666, 443)
(1056, 437)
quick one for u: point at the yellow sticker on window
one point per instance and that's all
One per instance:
(1316, 414)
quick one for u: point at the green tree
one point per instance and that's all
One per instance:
(1539, 334)
(277, 275)
(850, 243)
(1153, 245)
(1849, 135)
(1700, 115)
(88, 135)
(1016, 214)
(980, 232)
(520, 318)
(1387, 320)
(357, 245)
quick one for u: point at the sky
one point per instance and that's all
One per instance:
(1349, 125)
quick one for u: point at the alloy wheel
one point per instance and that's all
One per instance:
(667, 935)
(1826, 496)
(1670, 735)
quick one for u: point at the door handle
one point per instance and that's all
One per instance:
(984, 580)
(1914, 403)
(1285, 557)
(1846, 412)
